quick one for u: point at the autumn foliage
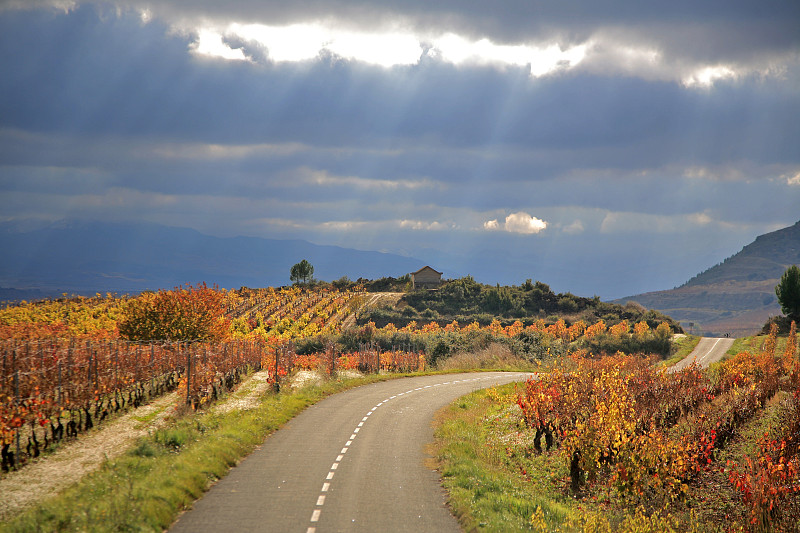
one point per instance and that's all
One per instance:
(76, 317)
(184, 313)
(649, 436)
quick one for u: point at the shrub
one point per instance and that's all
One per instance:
(181, 314)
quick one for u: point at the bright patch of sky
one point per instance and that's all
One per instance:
(520, 222)
(298, 42)
(210, 44)
(706, 76)
(543, 60)
(305, 42)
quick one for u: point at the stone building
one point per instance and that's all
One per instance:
(426, 278)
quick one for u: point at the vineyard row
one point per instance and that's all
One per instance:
(648, 434)
(54, 389)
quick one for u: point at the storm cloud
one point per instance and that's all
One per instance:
(602, 147)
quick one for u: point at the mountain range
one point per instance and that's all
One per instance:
(80, 257)
(736, 296)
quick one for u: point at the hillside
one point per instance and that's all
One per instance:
(764, 259)
(736, 296)
(465, 301)
(81, 257)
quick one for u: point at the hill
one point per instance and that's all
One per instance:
(465, 301)
(736, 296)
(80, 257)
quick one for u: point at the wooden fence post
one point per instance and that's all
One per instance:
(276, 385)
(16, 402)
(188, 376)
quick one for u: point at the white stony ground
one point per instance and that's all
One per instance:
(53, 472)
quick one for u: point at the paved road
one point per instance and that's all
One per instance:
(352, 462)
(707, 351)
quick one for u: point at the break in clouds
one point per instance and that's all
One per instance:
(602, 147)
(517, 223)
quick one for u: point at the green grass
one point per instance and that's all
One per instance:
(149, 417)
(748, 344)
(148, 486)
(682, 346)
(483, 493)
(755, 343)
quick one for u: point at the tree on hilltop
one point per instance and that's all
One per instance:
(302, 271)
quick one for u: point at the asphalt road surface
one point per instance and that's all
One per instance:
(353, 462)
(707, 351)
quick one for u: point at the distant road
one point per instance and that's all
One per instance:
(372, 301)
(707, 351)
(352, 462)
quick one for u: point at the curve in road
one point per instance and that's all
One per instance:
(707, 351)
(352, 462)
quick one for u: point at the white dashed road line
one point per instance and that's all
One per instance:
(315, 515)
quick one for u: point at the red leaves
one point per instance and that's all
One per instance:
(766, 482)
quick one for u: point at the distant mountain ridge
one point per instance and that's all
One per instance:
(80, 256)
(736, 296)
(766, 258)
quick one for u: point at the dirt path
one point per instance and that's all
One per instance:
(73, 460)
(374, 299)
(66, 466)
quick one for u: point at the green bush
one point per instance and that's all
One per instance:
(466, 301)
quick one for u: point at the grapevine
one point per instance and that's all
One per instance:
(648, 435)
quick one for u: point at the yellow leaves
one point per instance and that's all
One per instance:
(641, 329)
(538, 522)
(596, 329)
(618, 330)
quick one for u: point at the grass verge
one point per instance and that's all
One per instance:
(148, 486)
(489, 490)
(682, 346)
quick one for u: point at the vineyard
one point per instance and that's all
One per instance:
(645, 446)
(70, 364)
(290, 313)
(638, 447)
(66, 368)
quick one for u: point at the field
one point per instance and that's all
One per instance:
(602, 441)
(72, 363)
(66, 368)
(613, 444)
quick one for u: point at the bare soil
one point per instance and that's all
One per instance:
(53, 472)
(375, 299)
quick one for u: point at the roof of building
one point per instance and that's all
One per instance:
(426, 268)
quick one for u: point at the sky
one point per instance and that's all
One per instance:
(603, 147)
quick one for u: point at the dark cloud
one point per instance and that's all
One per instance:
(771, 23)
(642, 180)
(90, 80)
